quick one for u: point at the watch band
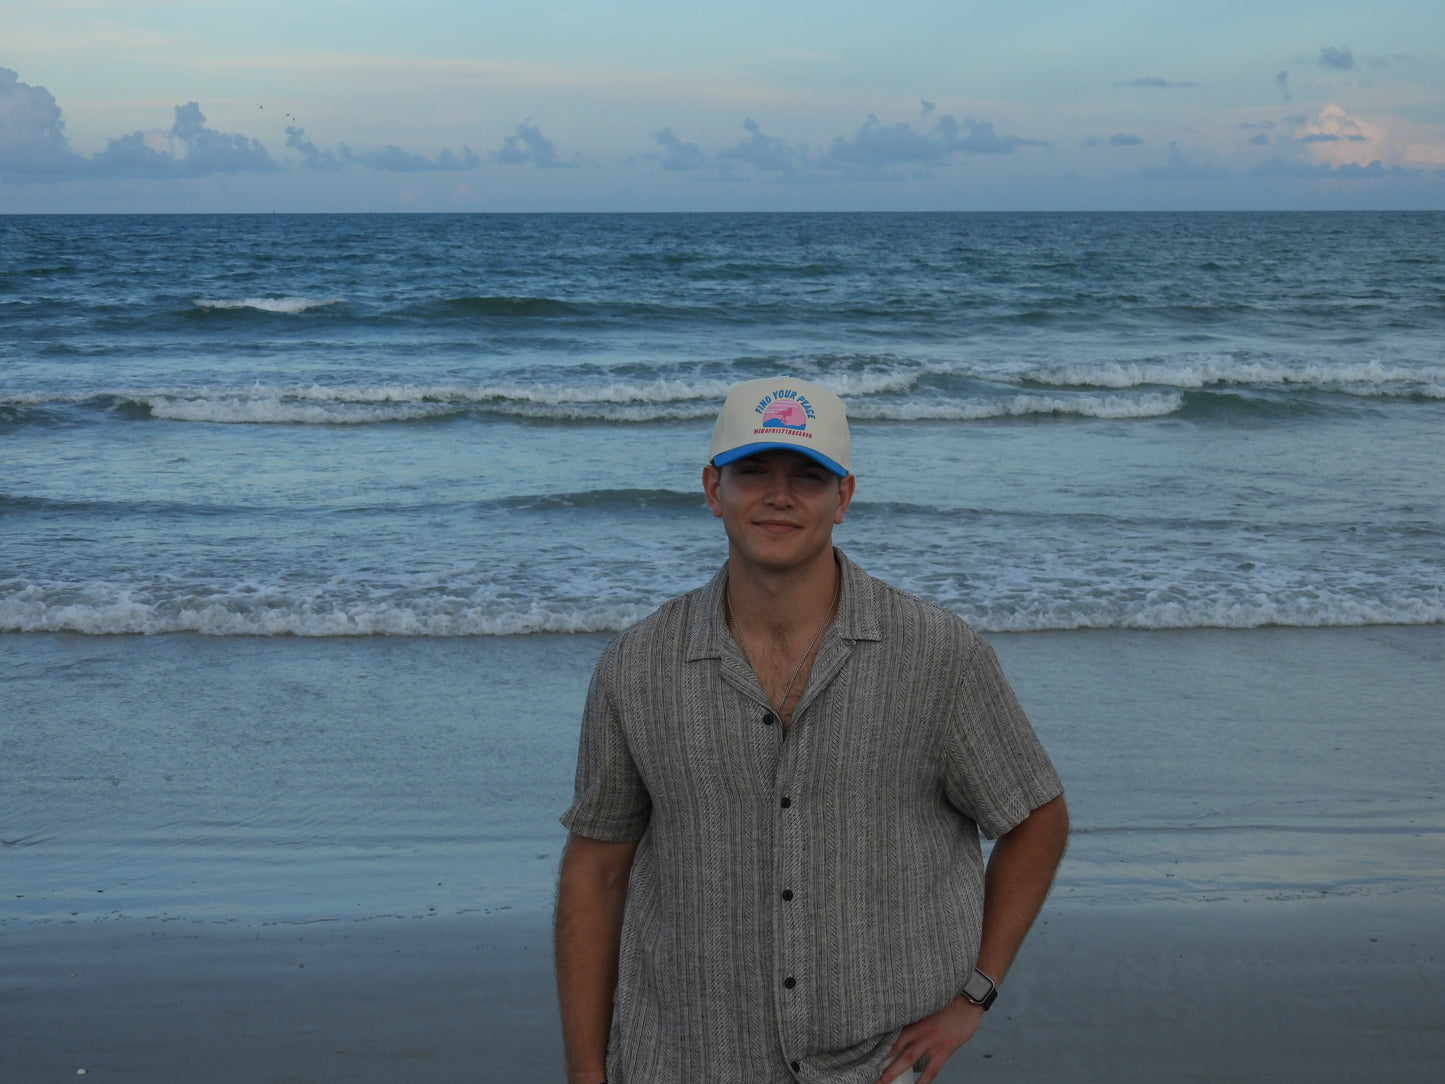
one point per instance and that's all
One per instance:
(980, 989)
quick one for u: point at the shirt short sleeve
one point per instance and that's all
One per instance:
(610, 801)
(997, 771)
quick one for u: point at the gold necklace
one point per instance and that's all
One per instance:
(738, 634)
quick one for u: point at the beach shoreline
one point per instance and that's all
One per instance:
(1329, 989)
(207, 884)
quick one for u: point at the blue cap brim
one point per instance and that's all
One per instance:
(724, 458)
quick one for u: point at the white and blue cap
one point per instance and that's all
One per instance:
(782, 412)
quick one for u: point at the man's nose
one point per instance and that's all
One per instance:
(780, 488)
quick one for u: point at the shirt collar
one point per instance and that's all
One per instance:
(858, 613)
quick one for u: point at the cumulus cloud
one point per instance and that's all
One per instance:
(528, 146)
(1282, 81)
(1333, 143)
(1335, 137)
(34, 147)
(876, 144)
(1277, 167)
(33, 144)
(768, 153)
(978, 137)
(677, 154)
(187, 149)
(876, 150)
(390, 158)
(1331, 125)
(1340, 58)
(312, 156)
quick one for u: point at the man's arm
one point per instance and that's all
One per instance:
(591, 895)
(1020, 871)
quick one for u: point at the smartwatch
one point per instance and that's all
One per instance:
(980, 989)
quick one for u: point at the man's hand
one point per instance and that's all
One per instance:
(934, 1037)
(1020, 870)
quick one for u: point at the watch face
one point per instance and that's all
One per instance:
(978, 987)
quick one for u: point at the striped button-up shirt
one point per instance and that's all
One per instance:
(800, 894)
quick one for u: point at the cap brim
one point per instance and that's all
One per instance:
(732, 454)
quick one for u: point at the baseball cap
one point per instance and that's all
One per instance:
(782, 412)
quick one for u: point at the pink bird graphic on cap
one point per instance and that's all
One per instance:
(785, 414)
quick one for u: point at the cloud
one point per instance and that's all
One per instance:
(1282, 81)
(877, 145)
(312, 157)
(188, 149)
(981, 138)
(1156, 82)
(1348, 145)
(1374, 169)
(1340, 59)
(1332, 125)
(1259, 139)
(677, 154)
(527, 145)
(33, 145)
(876, 150)
(391, 158)
(767, 153)
(1180, 168)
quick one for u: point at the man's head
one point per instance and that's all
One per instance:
(783, 413)
(778, 477)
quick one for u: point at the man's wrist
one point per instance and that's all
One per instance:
(980, 990)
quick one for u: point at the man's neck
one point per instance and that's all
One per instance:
(785, 605)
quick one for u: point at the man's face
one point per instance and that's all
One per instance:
(778, 507)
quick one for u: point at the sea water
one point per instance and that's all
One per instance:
(479, 439)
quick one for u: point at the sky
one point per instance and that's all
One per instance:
(656, 105)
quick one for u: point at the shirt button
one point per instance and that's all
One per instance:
(797, 1067)
(787, 895)
(787, 801)
(789, 982)
(768, 719)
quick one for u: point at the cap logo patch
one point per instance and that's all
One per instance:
(785, 409)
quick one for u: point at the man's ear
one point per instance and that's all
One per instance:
(711, 478)
(846, 486)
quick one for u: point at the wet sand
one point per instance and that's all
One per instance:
(1322, 990)
(260, 860)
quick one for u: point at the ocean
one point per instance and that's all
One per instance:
(311, 525)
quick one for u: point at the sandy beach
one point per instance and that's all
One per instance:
(1323, 990)
(360, 891)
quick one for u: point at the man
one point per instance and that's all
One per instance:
(773, 871)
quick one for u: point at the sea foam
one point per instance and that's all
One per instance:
(347, 610)
(287, 305)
